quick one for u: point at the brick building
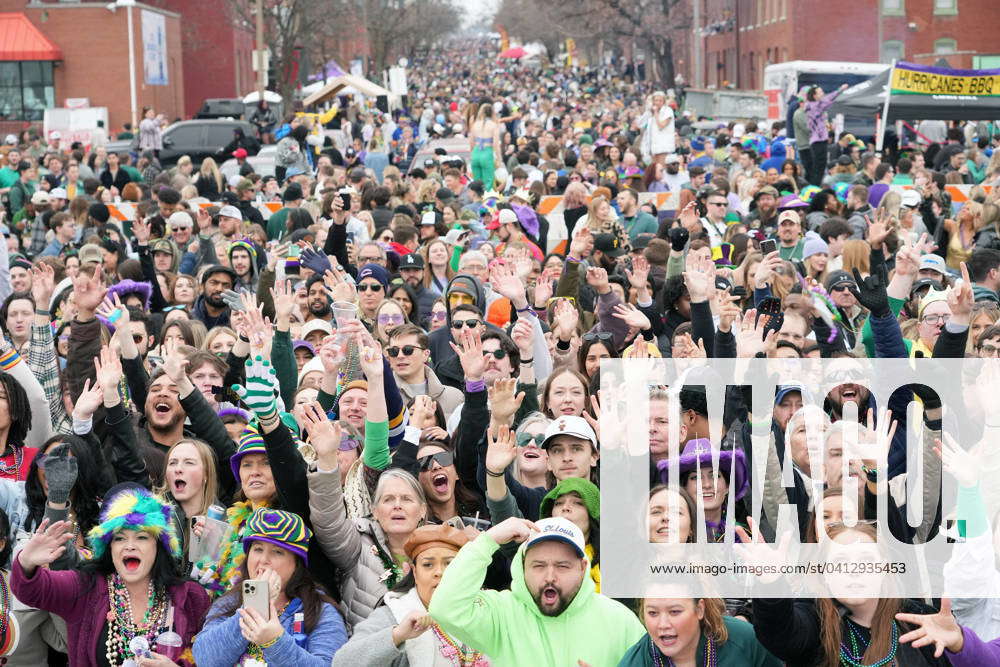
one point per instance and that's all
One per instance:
(217, 51)
(88, 44)
(739, 38)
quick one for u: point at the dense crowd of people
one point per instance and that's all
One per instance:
(364, 429)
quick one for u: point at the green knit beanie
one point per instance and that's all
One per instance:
(590, 494)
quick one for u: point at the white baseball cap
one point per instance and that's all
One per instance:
(315, 325)
(911, 199)
(934, 263)
(570, 425)
(58, 193)
(559, 529)
(507, 216)
(10, 140)
(230, 211)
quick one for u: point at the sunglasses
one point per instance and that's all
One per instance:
(444, 459)
(439, 316)
(374, 287)
(390, 319)
(841, 288)
(407, 350)
(602, 336)
(526, 439)
(348, 443)
(179, 307)
(498, 353)
(469, 324)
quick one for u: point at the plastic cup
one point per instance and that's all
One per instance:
(344, 312)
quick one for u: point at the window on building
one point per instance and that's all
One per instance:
(945, 6)
(894, 7)
(26, 89)
(892, 50)
(945, 46)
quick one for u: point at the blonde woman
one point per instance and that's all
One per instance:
(601, 219)
(209, 180)
(857, 255)
(961, 233)
(190, 483)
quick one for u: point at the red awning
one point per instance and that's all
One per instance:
(21, 40)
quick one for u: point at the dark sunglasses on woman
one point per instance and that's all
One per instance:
(444, 459)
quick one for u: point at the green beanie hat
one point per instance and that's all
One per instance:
(590, 494)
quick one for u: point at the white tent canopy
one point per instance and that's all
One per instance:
(269, 95)
(346, 83)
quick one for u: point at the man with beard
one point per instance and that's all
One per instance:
(764, 215)
(210, 307)
(675, 178)
(411, 270)
(317, 299)
(170, 399)
(551, 612)
(508, 229)
(230, 223)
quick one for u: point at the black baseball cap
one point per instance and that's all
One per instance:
(411, 260)
(609, 245)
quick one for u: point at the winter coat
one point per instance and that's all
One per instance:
(85, 607)
(372, 645)
(357, 547)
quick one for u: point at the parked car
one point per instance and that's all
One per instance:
(454, 147)
(198, 139)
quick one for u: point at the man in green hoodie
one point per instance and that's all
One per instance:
(550, 617)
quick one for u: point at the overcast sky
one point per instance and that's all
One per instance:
(475, 10)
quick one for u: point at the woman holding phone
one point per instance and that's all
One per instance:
(294, 623)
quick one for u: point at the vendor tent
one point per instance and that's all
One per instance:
(920, 92)
(345, 84)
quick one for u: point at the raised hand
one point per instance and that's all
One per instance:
(141, 231)
(317, 261)
(632, 316)
(598, 279)
(109, 374)
(729, 311)
(878, 230)
(961, 299)
(501, 448)
(332, 354)
(699, 277)
(940, 629)
(523, 335)
(174, 363)
(42, 284)
(60, 474)
(371, 357)
(91, 398)
(543, 290)
(470, 354)
(750, 339)
(324, 435)
(871, 291)
(566, 319)
(261, 384)
(284, 302)
(513, 529)
(638, 277)
(688, 216)
(765, 269)
(203, 218)
(89, 292)
(504, 401)
(957, 462)
(581, 244)
(47, 544)
(423, 412)
(505, 282)
(338, 288)
(277, 253)
(753, 550)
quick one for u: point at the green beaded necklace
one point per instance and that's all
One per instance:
(852, 656)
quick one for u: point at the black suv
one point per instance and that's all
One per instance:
(198, 139)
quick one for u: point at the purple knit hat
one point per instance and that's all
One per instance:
(698, 454)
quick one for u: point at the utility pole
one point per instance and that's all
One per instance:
(261, 64)
(878, 23)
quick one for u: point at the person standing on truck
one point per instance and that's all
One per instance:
(819, 136)
(264, 120)
(799, 128)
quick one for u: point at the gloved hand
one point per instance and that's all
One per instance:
(60, 473)
(261, 386)
(871, 291)
(232, 299)
(678, 238)
(317, 261)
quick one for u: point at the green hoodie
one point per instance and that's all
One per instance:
(507, 626)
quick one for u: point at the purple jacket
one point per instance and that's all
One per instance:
(85, 608)
(816, 116)
(976, 652)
